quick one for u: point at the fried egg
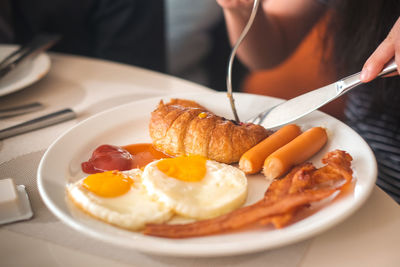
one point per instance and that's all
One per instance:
(195, 187)
(118, 198)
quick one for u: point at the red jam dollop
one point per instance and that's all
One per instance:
(108, 158)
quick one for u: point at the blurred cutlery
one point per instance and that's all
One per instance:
(232, 57)
(37, 45)
(41, 122)
(302, 105)
(19, 110)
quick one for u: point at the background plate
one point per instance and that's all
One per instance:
(128, 124)
(28, 72)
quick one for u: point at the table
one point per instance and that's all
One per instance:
(370, 237)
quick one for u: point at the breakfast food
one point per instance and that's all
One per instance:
(108, 158)
(295, 152)
(284, 198)
(213, 189)
(191, 186)
(252, 160)
(118, 199)
(183, 127)
(111, 157)
(183, 175)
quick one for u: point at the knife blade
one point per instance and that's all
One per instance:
(302, 105)
(37, 45)
(41, 122)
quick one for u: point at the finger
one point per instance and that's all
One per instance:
(392, 74)
(388, 49)
(378, 59)
(397, 46)
(247, 3)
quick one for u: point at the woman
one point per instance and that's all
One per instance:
(184, 39)
(363, 34)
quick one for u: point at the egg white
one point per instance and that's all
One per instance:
(223, 189)
(131, 210)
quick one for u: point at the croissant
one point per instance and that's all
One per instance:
(183, 127)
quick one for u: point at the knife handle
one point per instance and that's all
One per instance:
(390, 67)
(348, 83)
(15, 111)
(41, 122)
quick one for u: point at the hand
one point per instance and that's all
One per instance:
(389, 48)
(242, 8)
(235, 4)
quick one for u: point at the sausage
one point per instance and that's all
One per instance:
(296, 151)
(252, 160)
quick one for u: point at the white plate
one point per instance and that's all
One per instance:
(28, 72)
(128, 124)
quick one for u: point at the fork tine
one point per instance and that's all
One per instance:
(260, 117)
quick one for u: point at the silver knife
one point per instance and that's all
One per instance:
(302, 105)
(19, 110)
(41, 122)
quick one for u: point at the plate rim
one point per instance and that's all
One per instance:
(167, 251)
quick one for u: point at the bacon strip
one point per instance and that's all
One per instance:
(237, 219)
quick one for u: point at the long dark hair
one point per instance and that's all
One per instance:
(355, 30)
(358, 27)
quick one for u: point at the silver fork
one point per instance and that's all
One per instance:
(232, 57)
(260, 117)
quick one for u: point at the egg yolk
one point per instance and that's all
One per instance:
(108, 184)
(185, 168)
